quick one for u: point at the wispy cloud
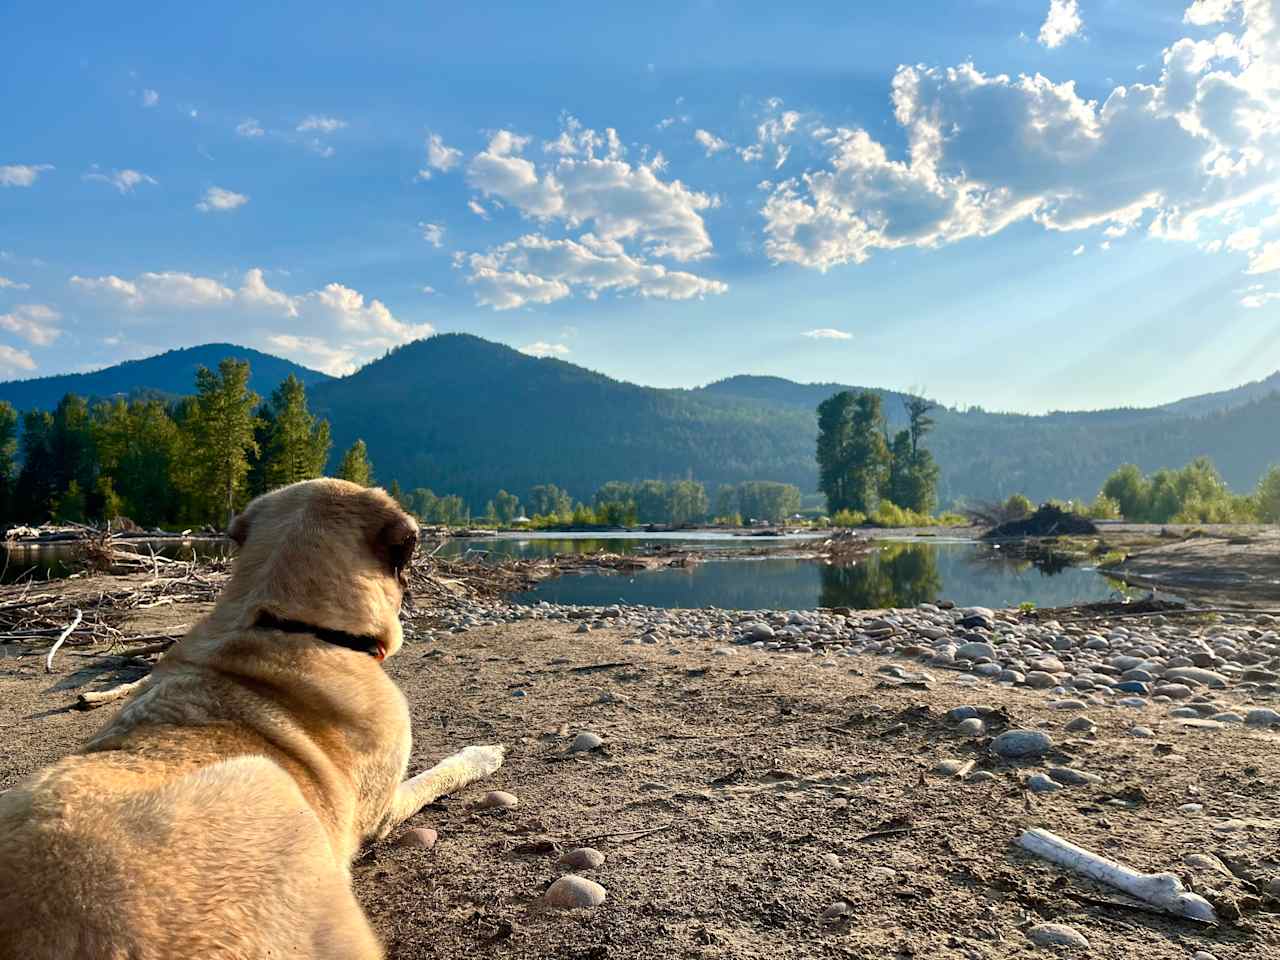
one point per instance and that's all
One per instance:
(1078, 251)
(433, 233)
(249, 127)
(122, 180)
(544, 349)
(14, 362)
(710, 142)
(21, 174)
(217, 199)
(150, 98)
(440, 156)
(7, 284)
(34, 322)
(318, 123)
(1266, 259)
(827, 333)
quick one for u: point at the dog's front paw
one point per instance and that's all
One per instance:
(486, 760)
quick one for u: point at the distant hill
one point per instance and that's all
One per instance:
(170, 374)
(463, 415)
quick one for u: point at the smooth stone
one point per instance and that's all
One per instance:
(1057, 935)
(1191, 809)
(966, 712)
(1039, 783)
(1136, 703)
(1132, 686)
(1261, 717)
(1142, 733)
(1068, 705)
(1227, 717)
(837, 911)
(1081, 725)
(973, 727)
(976, 651)
(1018, 744)
(423, 837)
(583, 858)
(574, 893)
(1040, 680)
(1208, 677)
(981, 776)
(585, 742)
(948, 768)
(498, 800)
(1072, 778)
(1048, 665)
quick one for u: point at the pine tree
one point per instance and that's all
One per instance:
(297, 445)
(355, 465)
(222, 431)
(8, 456)
(34, 495)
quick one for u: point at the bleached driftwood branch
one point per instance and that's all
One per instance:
(1163, 890)
(62, 638)
(96, 698)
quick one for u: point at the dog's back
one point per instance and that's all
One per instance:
(124, 857)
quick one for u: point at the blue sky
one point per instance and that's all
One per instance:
(1022, 205)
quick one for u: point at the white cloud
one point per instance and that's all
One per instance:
(433, 233)
(14, 362)
(536, 269)
(772, 132)
(7, 284)
(33, 322)
(1061, 24)
(150, 98)
(439, 157)
(593, 185)
(1246, 238)
(21, 174)
(827, 333)
(710, 142)
(249, 127)
(989, 150)
(544, 349)
(1259, 298)
(334, 326)
(429, 290)
(218, 199)
(1078, 250)
(122, 180)
(1266, 259)
(318, 123)
(476, 207)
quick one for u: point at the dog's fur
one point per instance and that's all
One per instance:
(217, 814)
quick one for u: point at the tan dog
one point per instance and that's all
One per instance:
(217, 814)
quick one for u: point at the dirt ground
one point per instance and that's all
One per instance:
(737, 797)
(1240, 563)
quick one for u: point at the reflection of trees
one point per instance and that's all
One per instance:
(898, 575)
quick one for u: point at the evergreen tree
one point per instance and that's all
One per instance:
(71, 447)
(298, 445)
(8, 458)
(34, 493)
(395, 493)
(70, 507)
(222, 435)
(899, 486)
(355, 465)
(835, 425)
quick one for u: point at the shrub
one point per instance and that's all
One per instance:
(849, 518)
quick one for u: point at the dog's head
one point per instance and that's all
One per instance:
(327, 553)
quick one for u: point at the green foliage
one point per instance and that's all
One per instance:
(1018, 507)
(1267, 496)
(506, 507)
(219, 439)
(888, 514)
(70, 505)
(767, 500)
(1112, 558)
(848, 518)
(548, 500)
(1194, 494)
(112, 505)
(297, 445)
(355, 466)
(1104, 508)
(1026, 606)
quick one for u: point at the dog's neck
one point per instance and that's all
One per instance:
(361, 644)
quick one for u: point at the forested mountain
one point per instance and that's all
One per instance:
(171, 373)
(462, 415)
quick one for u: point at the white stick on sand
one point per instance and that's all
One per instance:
(1163, 890)
(62, 637)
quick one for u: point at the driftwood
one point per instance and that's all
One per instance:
(62, 638)
(1163, 890)
(97, 698)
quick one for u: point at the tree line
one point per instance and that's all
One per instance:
(863, 471)
(192, 461)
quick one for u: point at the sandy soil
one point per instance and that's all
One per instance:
(755, 787)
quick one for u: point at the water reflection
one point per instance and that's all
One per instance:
(895, 575)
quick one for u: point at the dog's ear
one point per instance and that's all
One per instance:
(395, 543)
(239, 529)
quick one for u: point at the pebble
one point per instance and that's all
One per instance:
(423, 837)
(1041, 783)
(497, 800)
(1022, 744)
(1081, 725)
(1142, 733)
(837, 911)
(973, 727)
(583, 858)
(572, 892)
(585, 742)
(1073, 778)
(1057, 935)
(1261, 717)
